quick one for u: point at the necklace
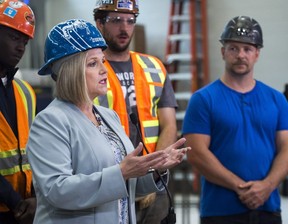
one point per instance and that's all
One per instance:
(97, 116)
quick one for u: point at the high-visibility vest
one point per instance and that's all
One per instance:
(149, 78)
(14, 164)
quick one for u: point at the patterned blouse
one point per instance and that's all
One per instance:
(119, 153)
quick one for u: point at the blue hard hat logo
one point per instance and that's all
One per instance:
(73, 26)
(70, 37)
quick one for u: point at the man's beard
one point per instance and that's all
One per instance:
(113, 46)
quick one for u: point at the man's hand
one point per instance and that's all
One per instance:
(146, 201)
(255, 193)
(25, 211)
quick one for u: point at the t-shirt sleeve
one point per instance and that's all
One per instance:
(283, 114)
(197, 116)
(167, 98)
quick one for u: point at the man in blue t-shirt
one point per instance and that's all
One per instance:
(238, 130)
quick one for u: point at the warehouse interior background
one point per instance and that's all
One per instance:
(154, 16)
(151, 37)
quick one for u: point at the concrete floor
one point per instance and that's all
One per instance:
(189, 214)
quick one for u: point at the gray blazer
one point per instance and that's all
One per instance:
(75, 175)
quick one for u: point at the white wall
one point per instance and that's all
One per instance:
(273, 18)
(60, 10)
(154, 14)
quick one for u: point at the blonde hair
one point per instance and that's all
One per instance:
(71, 80)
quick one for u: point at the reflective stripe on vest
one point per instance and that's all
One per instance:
(149, 78)
(12, 150)
(153, 74)
(28, 94)
(151, 130)
(10, 162)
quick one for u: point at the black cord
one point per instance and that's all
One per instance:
(171, 217)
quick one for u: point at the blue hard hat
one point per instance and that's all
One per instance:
(67, 38)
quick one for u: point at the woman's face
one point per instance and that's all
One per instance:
(96, 73)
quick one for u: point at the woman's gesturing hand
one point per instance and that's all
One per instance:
(135, 166)
(175, 155)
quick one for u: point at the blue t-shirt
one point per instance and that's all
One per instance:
(242, 127)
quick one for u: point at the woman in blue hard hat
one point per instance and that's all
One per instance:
(84, 166)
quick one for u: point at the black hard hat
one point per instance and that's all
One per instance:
(243, 29)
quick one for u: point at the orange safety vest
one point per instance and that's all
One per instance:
(149, 80)
(14, 164)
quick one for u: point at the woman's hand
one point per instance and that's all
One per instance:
(135, 166)
(175, 155)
